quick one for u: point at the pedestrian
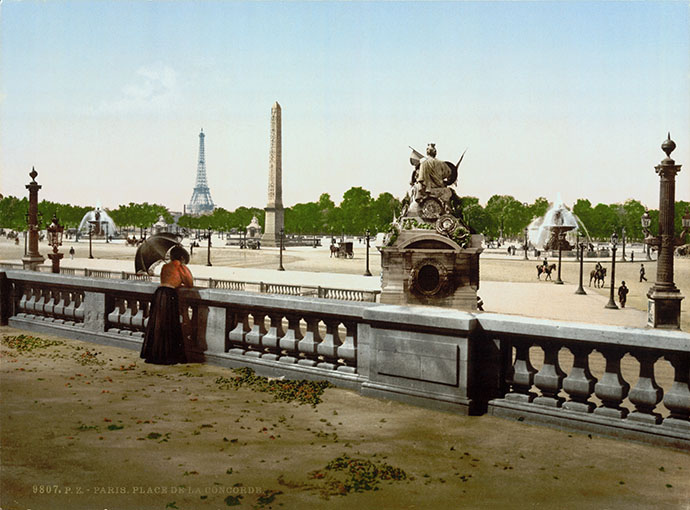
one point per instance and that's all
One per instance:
(163, 340)
(622, 294)
(632, 256)
(642, 276)
(71, 252)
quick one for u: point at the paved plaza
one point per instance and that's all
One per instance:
(508, 284)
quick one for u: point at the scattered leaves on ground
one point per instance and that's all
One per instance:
(303, 391)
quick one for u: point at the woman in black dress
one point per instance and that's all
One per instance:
(163, 341)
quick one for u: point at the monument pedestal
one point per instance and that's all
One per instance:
(425, 268)
(31, 262)
(274, 222)
(663, 309)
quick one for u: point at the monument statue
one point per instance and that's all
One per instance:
(431, 255)
(431, 199)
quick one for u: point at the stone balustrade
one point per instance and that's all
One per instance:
(562, 387)
(213, 283)
(621, 382)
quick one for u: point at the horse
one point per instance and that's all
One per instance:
(598, 276)
(334, 250)
(546, 270)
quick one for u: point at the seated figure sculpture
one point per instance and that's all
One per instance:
(432, 172)
(430, 196)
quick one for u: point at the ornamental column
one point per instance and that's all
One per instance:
(33, 259)
(664, 297)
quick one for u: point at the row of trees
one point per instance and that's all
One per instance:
(14, 211)
(502, 216)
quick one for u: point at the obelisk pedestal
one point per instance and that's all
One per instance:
(274, 209)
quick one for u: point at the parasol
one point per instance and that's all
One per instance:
(153, 250)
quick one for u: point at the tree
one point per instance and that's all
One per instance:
(355, 210)
(509, 217)
(382, 211)
(538, 208)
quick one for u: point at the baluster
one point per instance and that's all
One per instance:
(49, 307)
(646, 394)
(521, 375)
(579, 385)
(347, 352)
(40, 301)
(329, 347)
(78, 307)
(308, 345)
(59, 308)
(290, 341)
(612, 388)
(115, 316)
(69, 307)
(146, 307)
(253, 337)
(677, 399)
(236, 336)
(126, 317)
(23, 305)
(271, 340)
(549, 378)
(138, 318)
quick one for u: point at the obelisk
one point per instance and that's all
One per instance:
(274, 208)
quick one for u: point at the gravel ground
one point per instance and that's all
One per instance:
(93, 427)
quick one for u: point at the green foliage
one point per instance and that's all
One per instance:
(26, 343)
(345, 474)
(461, 236)
(304, 392)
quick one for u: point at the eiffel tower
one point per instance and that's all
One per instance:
(201, 202)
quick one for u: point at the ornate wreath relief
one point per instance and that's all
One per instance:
(428, 277)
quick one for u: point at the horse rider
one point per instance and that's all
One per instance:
(598, 267)
(545, 264)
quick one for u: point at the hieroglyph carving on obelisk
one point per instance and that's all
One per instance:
(274, 208)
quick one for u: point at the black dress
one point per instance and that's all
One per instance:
(163, 342)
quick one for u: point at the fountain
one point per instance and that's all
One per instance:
(549, 232)
(101, 223)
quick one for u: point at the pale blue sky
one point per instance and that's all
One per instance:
(106, 98)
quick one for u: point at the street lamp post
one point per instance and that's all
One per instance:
(614, 241)
(581, 247)
(561, 238)
(90, 236)
(280, 267)
(646, 221)
(55, 231)
(367, 272)
(663, 306)
(208, 250)
(526, 243)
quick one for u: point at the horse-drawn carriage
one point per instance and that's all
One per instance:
(342, 250)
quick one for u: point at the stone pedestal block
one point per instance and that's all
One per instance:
(663, 309)
(425, 268)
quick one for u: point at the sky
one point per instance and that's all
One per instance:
(106, 98)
